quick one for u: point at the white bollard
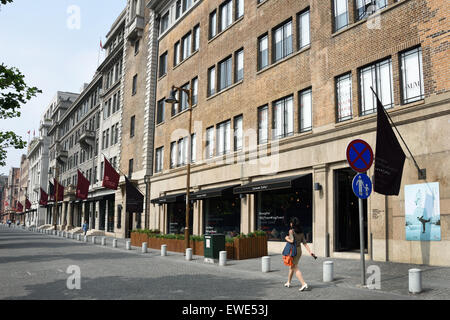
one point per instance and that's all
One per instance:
(415, 280)
(328, 270)
(128, 245)
(188, 256)
(79, 237)
(85, 239)
(144, 247)
(163, 250)
(222, 258)
(265, 261)
(93, 239)
(114, 244)
(104, 241)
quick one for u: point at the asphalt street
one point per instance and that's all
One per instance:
(34, 266)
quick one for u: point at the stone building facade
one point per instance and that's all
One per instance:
(281, 88)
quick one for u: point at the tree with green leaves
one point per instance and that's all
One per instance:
(14, 92)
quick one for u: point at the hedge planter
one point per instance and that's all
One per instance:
(239, 249)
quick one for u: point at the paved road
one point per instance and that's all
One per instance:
(34, 265)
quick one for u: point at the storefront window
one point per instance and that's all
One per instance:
(222, 215)
(176, 213)
(274, 210)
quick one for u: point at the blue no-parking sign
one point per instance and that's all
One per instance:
(362, 186)
(359, 155)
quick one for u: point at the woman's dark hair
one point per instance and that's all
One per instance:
(296, 225)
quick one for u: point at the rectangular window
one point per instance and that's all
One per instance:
(163, 64)
(134, 85)
(263, 52)
(187, 4)
(340, 14)
(184, 103)
(195, 91)
(193, 148)
(263, 121)
(212, 24)
(130, 168)
(136, 47)
(209, 142)
(186, 46)
(283, 118)
(164, 23)
(223, 138)
(305, 112)
(196, 45)
(239, 8)
(159, 161)
(344, 97)
(225, 73)
(176, 54)
(178, 9)
(107, 139)
(379, 77)
(412, 75)
(364, 8)
(132, 124)
(160, 111)
(173, 155)
(303, 29)
(211, 81)
(182, 151)
(226, 15)
(238, 132)
(282, 37)
(239, 65)
(116, 136)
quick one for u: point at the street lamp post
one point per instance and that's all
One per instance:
(172, 99)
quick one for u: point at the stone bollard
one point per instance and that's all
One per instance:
(93, 239)
(144, 247)
(222, 258)
(328, 270)
(128, 245)
(103, 241)
(188, 256)
(79, 237)
(114, 244)
(163, 250)
(415, 280)
(85, 238)
(265, 265)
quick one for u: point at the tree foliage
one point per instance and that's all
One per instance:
(14, 92)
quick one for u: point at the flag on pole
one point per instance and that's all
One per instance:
(60, 196)
(134, 198)
(27, 204)
(44, 198)
(19, 207)
(111, 177)
(101, 44)
(82, 186)
(389, 156)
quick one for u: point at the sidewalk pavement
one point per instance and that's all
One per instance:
(394, 276)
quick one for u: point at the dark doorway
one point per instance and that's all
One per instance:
(110, 215)
(101, 222)
(346, 218)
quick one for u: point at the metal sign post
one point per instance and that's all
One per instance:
(360, 158)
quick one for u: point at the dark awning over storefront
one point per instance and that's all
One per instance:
(272, 184)
(213, 193)
(171, 198)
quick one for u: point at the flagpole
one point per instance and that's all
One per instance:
(422, 173)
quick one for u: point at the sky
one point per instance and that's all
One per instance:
(56, 45)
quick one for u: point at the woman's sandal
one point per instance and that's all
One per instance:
(287, 284)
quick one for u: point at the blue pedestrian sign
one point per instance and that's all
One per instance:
(362, 186)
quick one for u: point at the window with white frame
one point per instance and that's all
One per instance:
(239, 65)
(412, 75)
(379, 77)
(223, 137)
(195, 91)
(211, 81)
(226, 15)
(263, 52)
(159, 161)
(186, 46)
(263, 124)
(173, 155)
(344, 97)
(304, 29)
(212, 24)
(283, 118)
(238, 132)
(225, 73)
(340, 14)
(282, 41)
(209, 147)
(196, 38)
(305, 112)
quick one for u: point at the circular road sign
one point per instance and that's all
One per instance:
(359, 155)
(362, 186)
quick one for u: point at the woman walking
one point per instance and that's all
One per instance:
(85, 227)
(296, 236)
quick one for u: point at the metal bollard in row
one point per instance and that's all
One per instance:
(222, 258)
(328, 271)
(415, 281)
(128, 245)
(163, 250)
(188, 256)
(265, 264)
(144, 247)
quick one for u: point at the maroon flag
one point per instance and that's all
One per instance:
(44, 198)
(27, 204)
(111, 177)
(82, 187)
(19, 207)
(60, 188)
